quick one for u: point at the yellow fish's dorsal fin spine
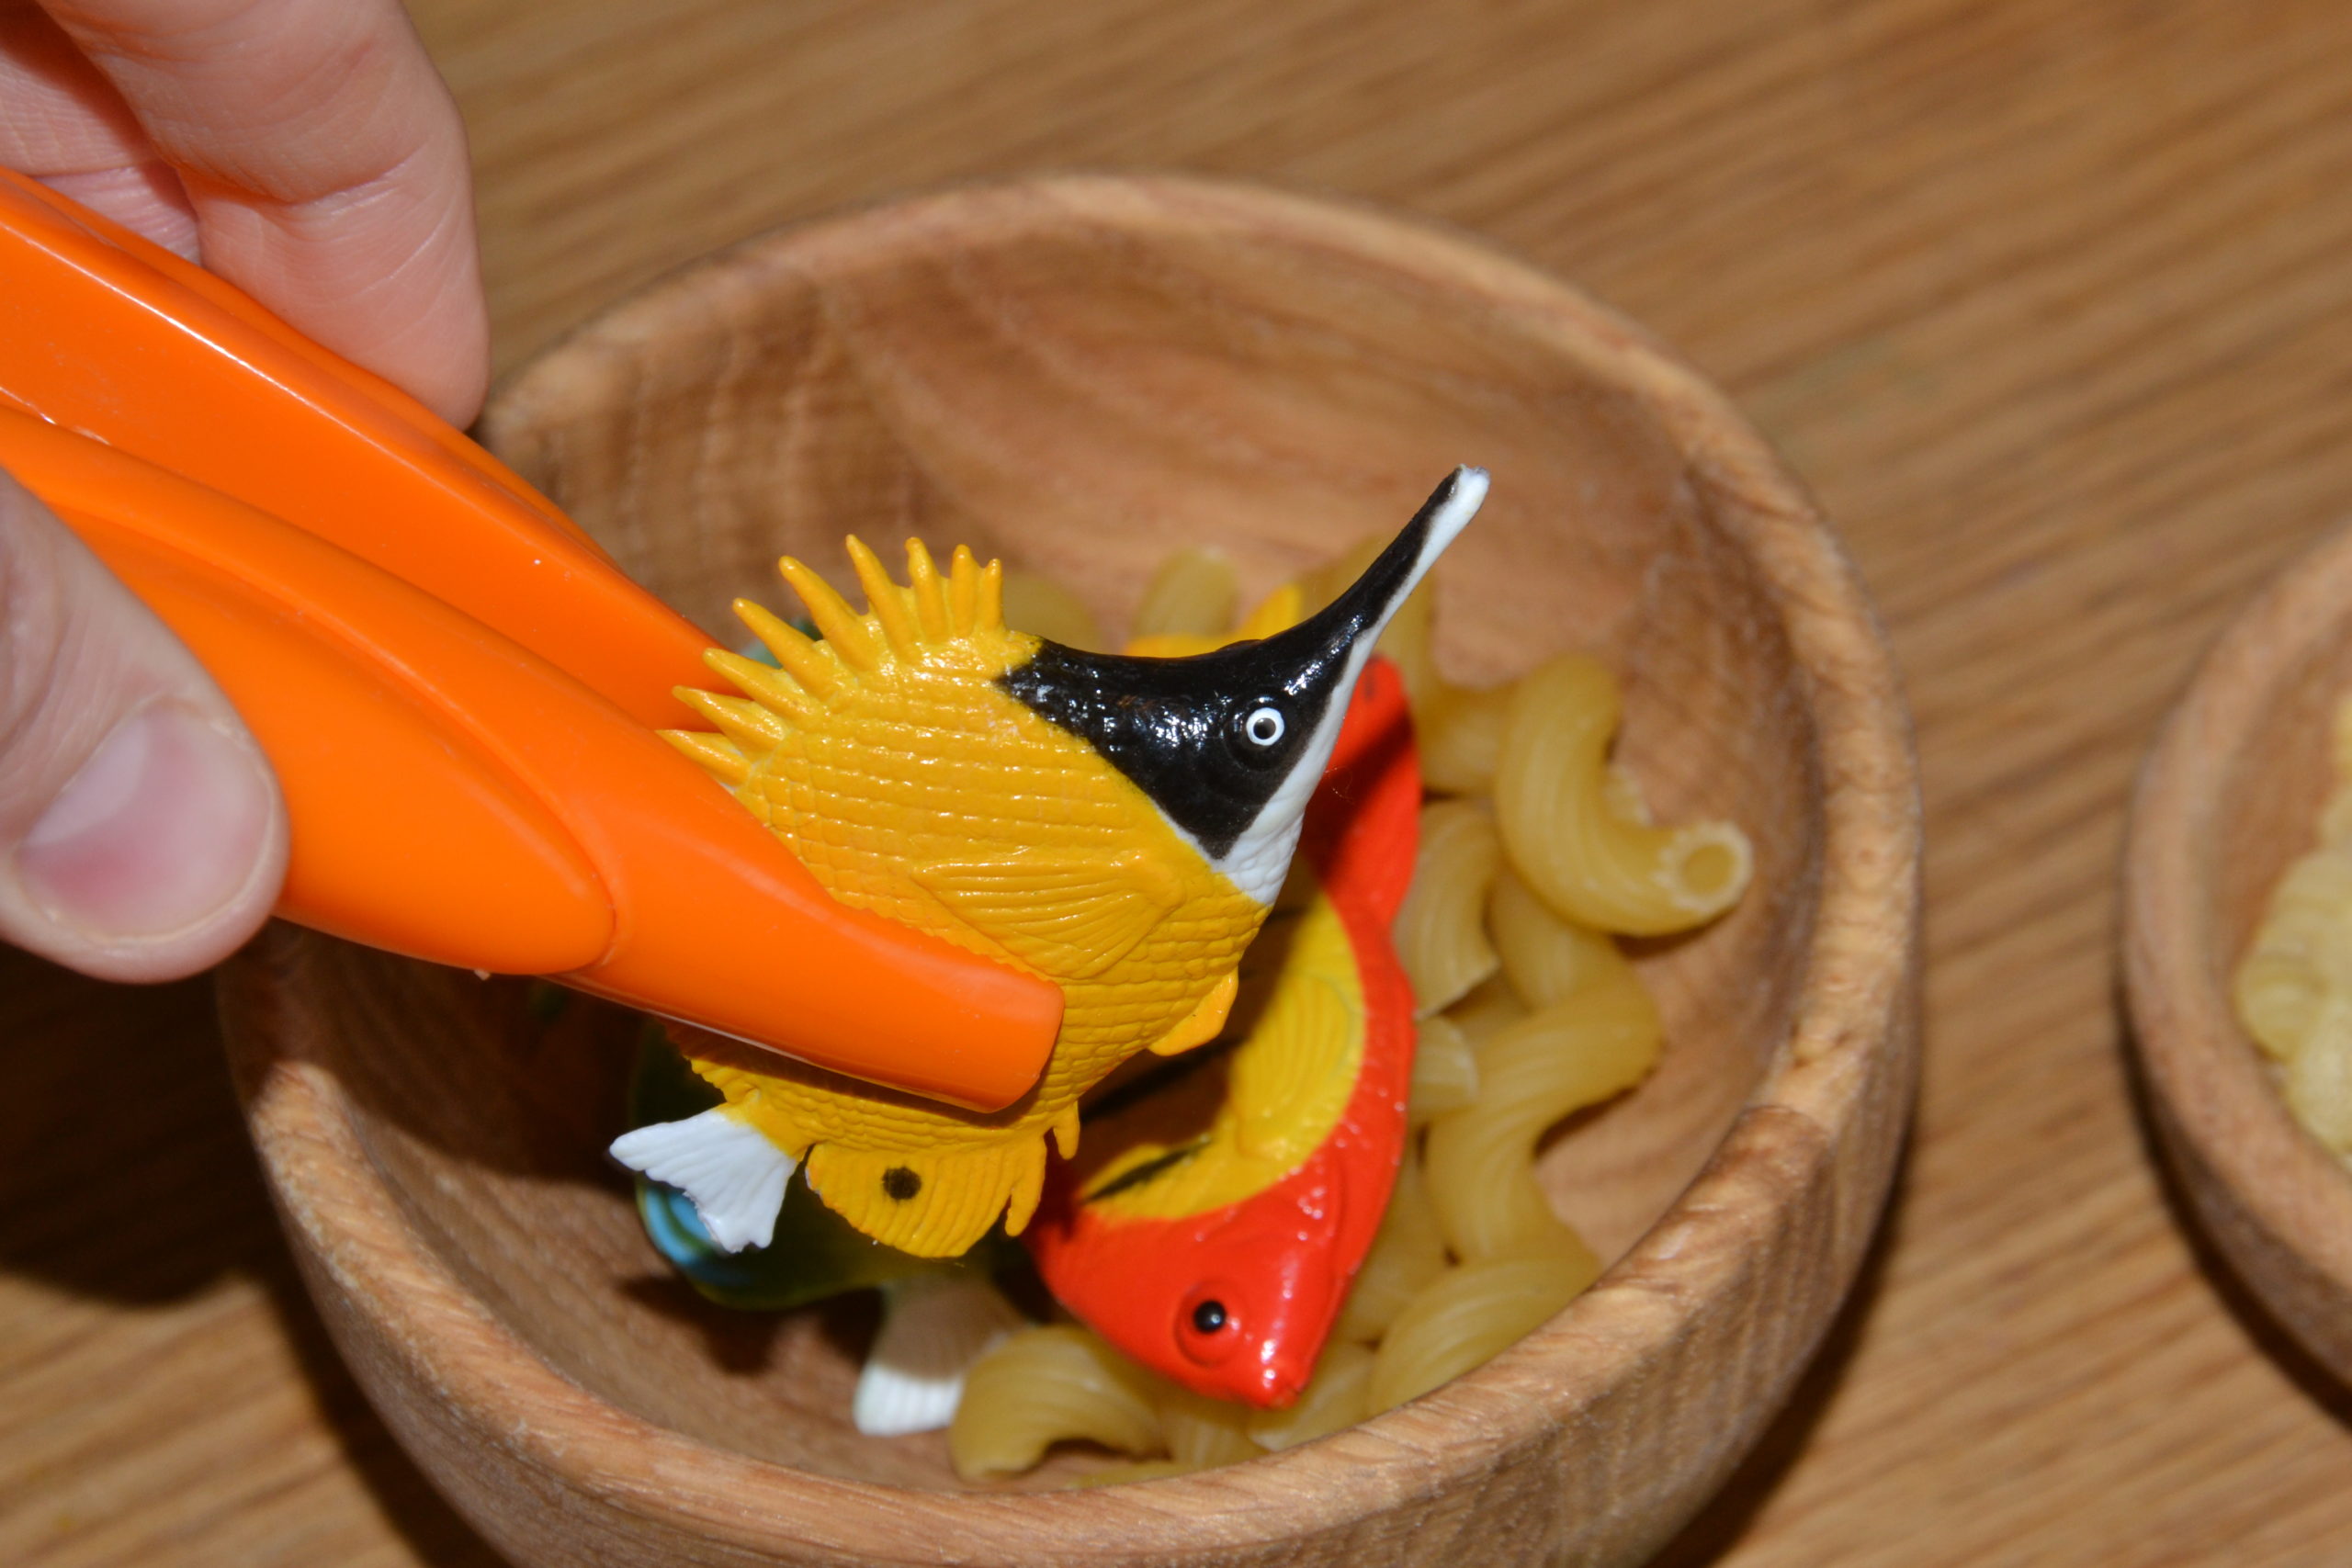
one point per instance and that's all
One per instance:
(844, 629)
(1029, 1185)
(963, 592)
(713, 754)
(929, 595)
(886, 602)
(988, 614)
(795, 654)
(772, 689)
(753, 728)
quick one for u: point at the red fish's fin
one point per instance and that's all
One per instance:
(1067, 917)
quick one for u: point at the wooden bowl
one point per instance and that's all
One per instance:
(1079, 374)
(2230, 796)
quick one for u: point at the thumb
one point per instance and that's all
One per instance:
(141, 836)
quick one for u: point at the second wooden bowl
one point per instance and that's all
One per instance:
(1080, 373)
(2228, 797)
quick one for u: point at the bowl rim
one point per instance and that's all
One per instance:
(1827, 1115)
(2272, 1194)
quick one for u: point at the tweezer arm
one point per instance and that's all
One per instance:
(456, 688)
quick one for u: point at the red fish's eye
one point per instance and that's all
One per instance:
(1208, 1330)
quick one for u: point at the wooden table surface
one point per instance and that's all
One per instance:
(2050, 300)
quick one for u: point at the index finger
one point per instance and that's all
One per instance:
(326, 164)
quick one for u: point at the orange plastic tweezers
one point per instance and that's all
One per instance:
(457, 689)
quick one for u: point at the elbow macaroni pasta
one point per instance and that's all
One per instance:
(1203, 1432)
(1469, 1313)
(1047, 1385)
(1493, 1006)
(2300, 959)
(1545, 958)
(1575, 1052)
(1445, 1071)
(1408, 1252)
(1460, 737)
(1191, 594)
(1570, 832)
(1335, 1397)
(1441, 931)
(2293, 988)
(1042, 608)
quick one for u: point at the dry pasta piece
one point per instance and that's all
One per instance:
(1047, 1385)
(1460, 732)
(1410, 642)
(1277, 612)
(1596, 1044)
(2319, 1078)
(2302, 952)
(1593, 862)
(1408, 1252)
(1469, 1314)
(1491, 1006)
(1202, 1432)
(1545, 958)
(1445, 1072)
(2293, 988)
(1191, 594)
(1042, 608)
(1333, 1398)
(1441, 931)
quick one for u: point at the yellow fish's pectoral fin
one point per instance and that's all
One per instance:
(1067, 916)
(1201, 1025)
(933, 1202)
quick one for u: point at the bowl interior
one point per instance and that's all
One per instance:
(1080, 396)
(2265, 811)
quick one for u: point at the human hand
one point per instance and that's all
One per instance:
(306, 151)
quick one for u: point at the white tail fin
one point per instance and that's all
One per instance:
(934, 1327)
(728, 1167)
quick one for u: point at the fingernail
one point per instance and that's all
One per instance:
(160, 828)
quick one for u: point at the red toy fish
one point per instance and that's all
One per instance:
(1222, 1201)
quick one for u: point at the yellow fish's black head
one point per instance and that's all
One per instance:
(1230, 744)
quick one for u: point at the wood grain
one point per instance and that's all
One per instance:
(2050, 302)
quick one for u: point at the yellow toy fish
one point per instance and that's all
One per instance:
(1118, 825)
